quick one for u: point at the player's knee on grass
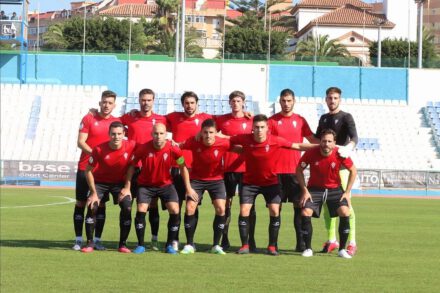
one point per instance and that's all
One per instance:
(142, 207)
(245, 210)
(191, 207)
(274, 209)
(172, 207)
(81, 203)
(343, 211)
(219, 206)
(307, 212)
(125, 204)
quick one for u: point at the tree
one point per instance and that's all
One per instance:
(322, 47)
(54, 37)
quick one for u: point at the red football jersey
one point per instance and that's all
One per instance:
(259, 158)
(208, 160)
(139, 128)
(183, 127)
(156, 164)
(294, 128)
(231, 126)
(110, 166)
(324, 171)
(97, 129)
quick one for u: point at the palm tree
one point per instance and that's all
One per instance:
(54, 37)
(322, 47)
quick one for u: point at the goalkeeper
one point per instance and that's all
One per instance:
(346, 137)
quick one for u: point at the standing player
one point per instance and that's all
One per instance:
(342, 123)
(92, 132)
(233, 124)
(154, 181)
(324, 186)
(294, 128)
(259, 150)
(105, 175)
(140, 125)
(206, 175)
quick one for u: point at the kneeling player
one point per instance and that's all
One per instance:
(105, 174)
(206, 175)
(324, 186)
(157, 156)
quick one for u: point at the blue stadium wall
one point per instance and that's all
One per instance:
(308, 81)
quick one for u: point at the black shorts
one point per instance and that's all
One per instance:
(331, 196)
(232, 181)
(81, 187)
(166, 193)
(271, 193)
(105, 189)
(134, 184)
(215, 188)
(178, 183)
(290, 189)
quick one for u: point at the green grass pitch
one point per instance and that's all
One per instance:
(398, 243)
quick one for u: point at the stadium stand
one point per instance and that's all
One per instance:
(393, 136)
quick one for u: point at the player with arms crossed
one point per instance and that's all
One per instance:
(234, 123)
(294, 128)
(342, 123)
(154, 180)
(105, 175)
(324, 186)
(259, 150)
(206, 175)
(92, 132)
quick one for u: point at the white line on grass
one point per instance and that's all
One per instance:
(69, 200)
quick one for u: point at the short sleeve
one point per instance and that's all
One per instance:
(84, 126)
(347, 162)
(93, 160)
(306, 131)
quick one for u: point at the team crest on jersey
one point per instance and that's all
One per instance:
(199, 150)
(303, 164)
(336, 121)
(150, 155)
(125, 156)
(316, 163)
(333, 165)
(267, 147)
(216, 153)
(197, 121)
(165, 156)
(154, 121)
(244, 125)
(96, 123)
(107, 157)
(294, 123)
(325, 120)
(280, 122)
(91, 160)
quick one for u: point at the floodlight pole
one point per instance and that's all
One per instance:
(420, 31)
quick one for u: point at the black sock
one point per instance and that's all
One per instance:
(307, 231)
(344, 230)
(173, 228)
(90, 225)
(139, 224)
(218, 225)
(227, 221)
(252, 223)
(297, 225)
(274, 228)
(78, 220)
(124, 221)
(100, 221)
(196, 214)
(243, 228)
(190, 228)
(154, 218)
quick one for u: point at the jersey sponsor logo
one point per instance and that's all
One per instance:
(150, 155)
(294, 123)
(197, 121)
(165, 156)
(216, 153)
(267, 147)
(91, 160)
(333, 164)
(107, 157)
(303, 164)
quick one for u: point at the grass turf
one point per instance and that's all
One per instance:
(397, 238)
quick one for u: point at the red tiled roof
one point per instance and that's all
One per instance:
(348, 15)
(135, 10)
(233, 13)
(121, 2)
(332, 3)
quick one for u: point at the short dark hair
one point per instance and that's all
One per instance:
(333, 89)
(209, 123)
(328, 131)
(189, 94)
(116, 124)
(108, 94)
(146, 92)
(259, 118)
(237, 94)
(287, 92)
